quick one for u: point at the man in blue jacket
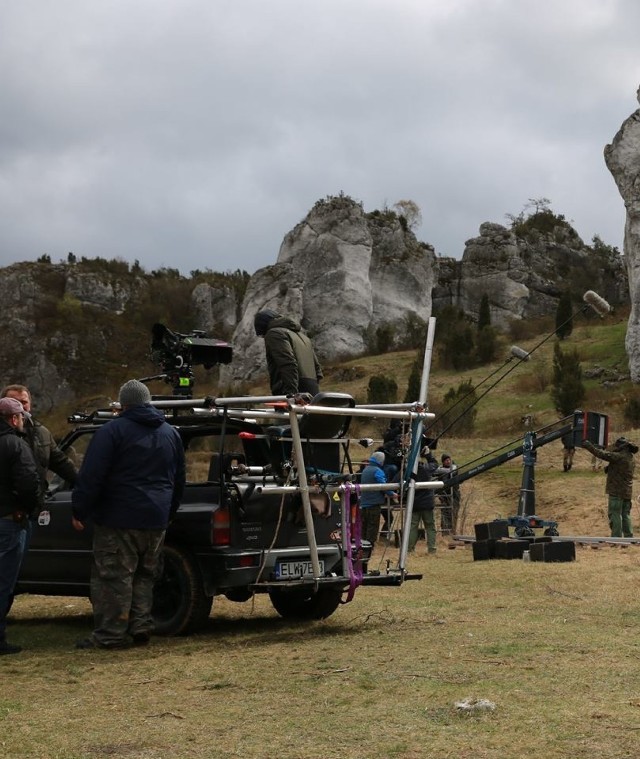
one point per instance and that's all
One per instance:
(371, 500)
(130, 484)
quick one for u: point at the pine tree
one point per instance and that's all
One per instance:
(382, 389)
(564, 316)
(415, 380)
(484, 313)
(460, 413)
(567, 392)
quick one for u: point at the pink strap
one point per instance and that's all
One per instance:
(355, 568)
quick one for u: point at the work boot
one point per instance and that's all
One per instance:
(141, 638)
(8, 648)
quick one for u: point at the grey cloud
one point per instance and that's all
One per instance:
(195, 134)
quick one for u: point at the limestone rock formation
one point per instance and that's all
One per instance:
(342, 274)
(26, 300)
(622, 157)
(524, 276)
(216, 309)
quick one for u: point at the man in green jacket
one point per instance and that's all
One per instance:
(291, 361)
(619, 483)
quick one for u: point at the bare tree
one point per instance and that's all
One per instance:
(411, 212)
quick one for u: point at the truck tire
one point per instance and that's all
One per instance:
(304, 604)
(180, 605)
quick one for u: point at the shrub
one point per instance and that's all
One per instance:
(632, 411)
(384, 338)
(460, 413)
(382, 389)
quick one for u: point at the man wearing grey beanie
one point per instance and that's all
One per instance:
(130, 485)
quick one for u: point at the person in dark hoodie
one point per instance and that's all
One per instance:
(130, 485)
(291, 361)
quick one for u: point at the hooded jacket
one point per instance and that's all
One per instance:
(373, 474)
(133, 473)
(291, 361)
(19, 478)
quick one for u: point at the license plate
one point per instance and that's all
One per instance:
(294, 570)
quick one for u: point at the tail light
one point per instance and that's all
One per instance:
(221, 527)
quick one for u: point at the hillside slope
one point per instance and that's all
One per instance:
(575, 499)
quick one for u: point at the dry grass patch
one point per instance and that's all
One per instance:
(553, 646)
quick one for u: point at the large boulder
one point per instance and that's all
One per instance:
(342, 274)
(622, 157)
(524, 276)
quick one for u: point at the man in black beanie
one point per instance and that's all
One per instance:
(291, 361)
(130, 484)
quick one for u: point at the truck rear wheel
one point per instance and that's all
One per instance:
(180, 605)
(304, 604)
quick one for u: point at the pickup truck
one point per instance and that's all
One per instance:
(251, 519)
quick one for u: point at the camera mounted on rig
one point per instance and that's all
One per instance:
(177, 353)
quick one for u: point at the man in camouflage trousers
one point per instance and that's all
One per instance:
(619, 484)
(130, 484)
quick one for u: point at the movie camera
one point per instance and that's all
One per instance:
(177, 353)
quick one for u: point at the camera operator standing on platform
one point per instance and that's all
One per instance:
(291, 361)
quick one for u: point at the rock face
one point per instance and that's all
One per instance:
(524, 277)
(76, 330)
(216, 309)
(42, 310)
(622, 157)
(342, 274)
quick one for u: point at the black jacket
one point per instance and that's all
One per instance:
(19, 478)
(423, 499)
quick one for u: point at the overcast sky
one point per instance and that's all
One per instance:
(196, 133)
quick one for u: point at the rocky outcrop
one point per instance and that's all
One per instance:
(622, 157)
(524, 276)
(216, 309)
(343, 274)
(29, 296)
(353, 279)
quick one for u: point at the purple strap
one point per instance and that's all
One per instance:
(355, 568)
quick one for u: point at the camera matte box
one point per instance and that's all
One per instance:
(499, 528)
(554, 551)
